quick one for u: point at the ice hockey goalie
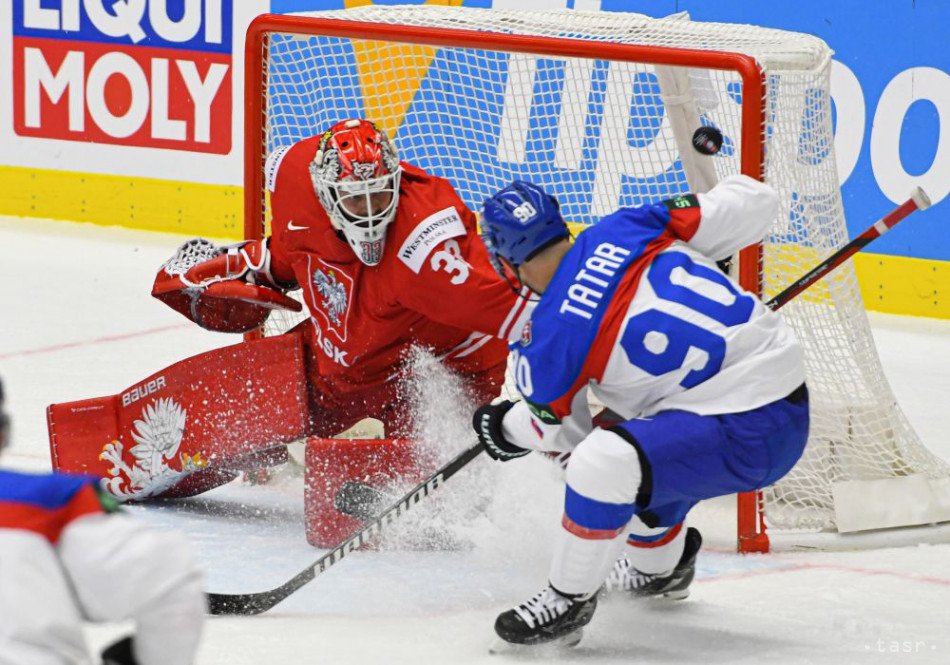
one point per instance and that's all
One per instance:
(387, 258)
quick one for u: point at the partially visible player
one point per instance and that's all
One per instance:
(387, 257)
(67, 556)
(708, 384)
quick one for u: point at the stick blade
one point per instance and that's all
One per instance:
(241, 604)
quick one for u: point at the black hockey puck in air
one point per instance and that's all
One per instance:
(707, 140)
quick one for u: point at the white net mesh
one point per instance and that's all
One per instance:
(600, 134)
(190, 254)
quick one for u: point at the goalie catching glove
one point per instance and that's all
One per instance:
(225, 289)
(487, 423)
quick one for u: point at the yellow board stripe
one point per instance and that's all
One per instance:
(137, 203)
(904, 285)
(892, 284)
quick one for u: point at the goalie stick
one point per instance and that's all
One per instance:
(255, 603)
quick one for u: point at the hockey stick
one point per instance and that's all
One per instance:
(246, 604)
(918, 201)
(365, 502)
(363, 499)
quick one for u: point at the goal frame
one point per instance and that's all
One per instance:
(751, 528)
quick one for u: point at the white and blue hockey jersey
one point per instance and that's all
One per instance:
(639, 314)
(64, 560)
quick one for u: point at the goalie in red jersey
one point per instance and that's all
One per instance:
(387, 257)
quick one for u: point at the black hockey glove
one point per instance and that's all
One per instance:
(487, 424)
(119, 653)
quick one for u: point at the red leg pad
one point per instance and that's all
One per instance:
(329, 463)
(188, 427)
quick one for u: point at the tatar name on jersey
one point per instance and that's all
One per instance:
(652, 324)
(567, 319)
(590, 283)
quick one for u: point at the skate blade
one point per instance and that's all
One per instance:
(541, 650)
(677, 595)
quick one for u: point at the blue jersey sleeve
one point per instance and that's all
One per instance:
(49, 491)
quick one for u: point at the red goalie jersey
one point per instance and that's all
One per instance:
(387, 257)
(433, 286)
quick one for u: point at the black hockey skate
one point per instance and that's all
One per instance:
(547, 619)
(624, 577)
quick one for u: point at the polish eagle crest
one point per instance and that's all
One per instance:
(146, 470)
(333, 293)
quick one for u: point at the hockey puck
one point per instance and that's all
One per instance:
(707, 140)
(359, 500)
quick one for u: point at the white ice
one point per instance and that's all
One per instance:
(78, 322)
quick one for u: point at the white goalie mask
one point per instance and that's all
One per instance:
(356, 175)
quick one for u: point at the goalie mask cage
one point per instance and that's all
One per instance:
(600, 109)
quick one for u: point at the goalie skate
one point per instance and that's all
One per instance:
(549, 619)
(624, 577)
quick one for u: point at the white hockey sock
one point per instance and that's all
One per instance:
(654, 550)
(603, 478)
(580, 565)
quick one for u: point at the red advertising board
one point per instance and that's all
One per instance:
(137, 75)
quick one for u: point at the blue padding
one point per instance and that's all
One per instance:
(598, 515)
(693, 457)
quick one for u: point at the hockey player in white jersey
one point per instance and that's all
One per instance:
(708, 384)
(67, 557)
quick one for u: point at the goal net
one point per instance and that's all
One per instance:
(600, 109)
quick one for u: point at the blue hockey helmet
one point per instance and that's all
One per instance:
(520, 220)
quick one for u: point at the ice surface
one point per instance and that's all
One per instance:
(78, 322)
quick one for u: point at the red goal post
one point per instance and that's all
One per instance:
(479, 76)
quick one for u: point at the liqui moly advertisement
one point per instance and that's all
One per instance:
(154, 73)
(142, 88)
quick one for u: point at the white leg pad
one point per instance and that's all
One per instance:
(579, 565)
(604, 469)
